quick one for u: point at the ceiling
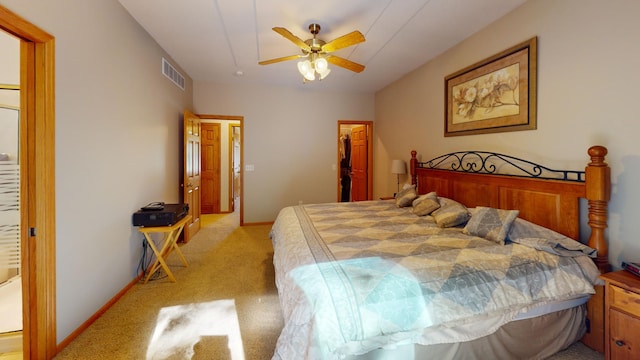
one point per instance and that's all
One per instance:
(216, 40)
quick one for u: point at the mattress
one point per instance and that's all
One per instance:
(355, 277)
(533, 338)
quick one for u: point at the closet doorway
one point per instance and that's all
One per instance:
(355, 160)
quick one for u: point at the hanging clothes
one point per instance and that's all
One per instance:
(345, 169)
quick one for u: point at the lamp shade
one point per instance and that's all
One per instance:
(398, 167)
(321, 65)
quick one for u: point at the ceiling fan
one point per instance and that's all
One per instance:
(318, 52)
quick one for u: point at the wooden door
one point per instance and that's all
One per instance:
(211, 158)
(191, 172)
(359, 161)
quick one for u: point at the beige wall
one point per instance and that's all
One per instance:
(117, 145)
(117, 122)
(290, 138)
(587, 80)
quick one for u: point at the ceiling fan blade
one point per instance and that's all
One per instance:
(352, 38)
(294, 39)
(276, 60)
(347, 64)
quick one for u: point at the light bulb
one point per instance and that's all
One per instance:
(310, 75)
(304, 67)
(321, 65)
(324, 73)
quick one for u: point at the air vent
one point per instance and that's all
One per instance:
(170, 72)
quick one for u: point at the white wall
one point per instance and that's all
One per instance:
(587, 81)
(290, 137)
(117, 145)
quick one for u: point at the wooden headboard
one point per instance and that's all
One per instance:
(543, 196)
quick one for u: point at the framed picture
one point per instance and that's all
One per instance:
(497, 94)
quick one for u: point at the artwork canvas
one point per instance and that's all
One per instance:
(497, 94)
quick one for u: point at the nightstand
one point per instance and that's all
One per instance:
(622, 315)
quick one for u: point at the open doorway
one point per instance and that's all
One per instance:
(37, 184)
(228, 157)
(355, 160)
(10, 224)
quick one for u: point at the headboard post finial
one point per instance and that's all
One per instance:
(597, 154)
(598, 193)
(413, 164)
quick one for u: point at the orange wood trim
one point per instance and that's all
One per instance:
(594, 339)
(598, 183)
(18, 26)
(37, 111)
(98, 313)
(220, 117)
(413, 164)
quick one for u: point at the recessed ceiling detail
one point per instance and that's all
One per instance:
(211, 39)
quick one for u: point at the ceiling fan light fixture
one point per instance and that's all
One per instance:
(321, 65)
(304, 66)
(310, 75)
(306, 69)
(316, 50)
(309, 68)
(324, 73)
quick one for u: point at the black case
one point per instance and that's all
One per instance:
(169, 215)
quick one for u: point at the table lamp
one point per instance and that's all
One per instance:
(398, 167)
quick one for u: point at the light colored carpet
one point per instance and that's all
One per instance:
(224, 305)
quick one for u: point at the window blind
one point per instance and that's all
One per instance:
(9, 215)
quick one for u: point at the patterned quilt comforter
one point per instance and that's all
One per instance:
(353, 277)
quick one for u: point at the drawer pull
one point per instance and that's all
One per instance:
(619, 343)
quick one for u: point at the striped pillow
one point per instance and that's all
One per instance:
(426, 204)
(406, 196)
(451, 213)
(491, 224)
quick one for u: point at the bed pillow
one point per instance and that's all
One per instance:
(539, 237)
(490, 223)
(406, 196)
(426, 204)
(451, 213)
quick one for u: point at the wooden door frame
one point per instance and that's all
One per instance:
(232, 188)
(37, 132)
(240, 119)
(369, 125)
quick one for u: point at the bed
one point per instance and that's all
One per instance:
(480, 262)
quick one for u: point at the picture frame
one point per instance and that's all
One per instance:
(497, 94)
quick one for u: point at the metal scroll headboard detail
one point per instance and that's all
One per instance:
(483, 162)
